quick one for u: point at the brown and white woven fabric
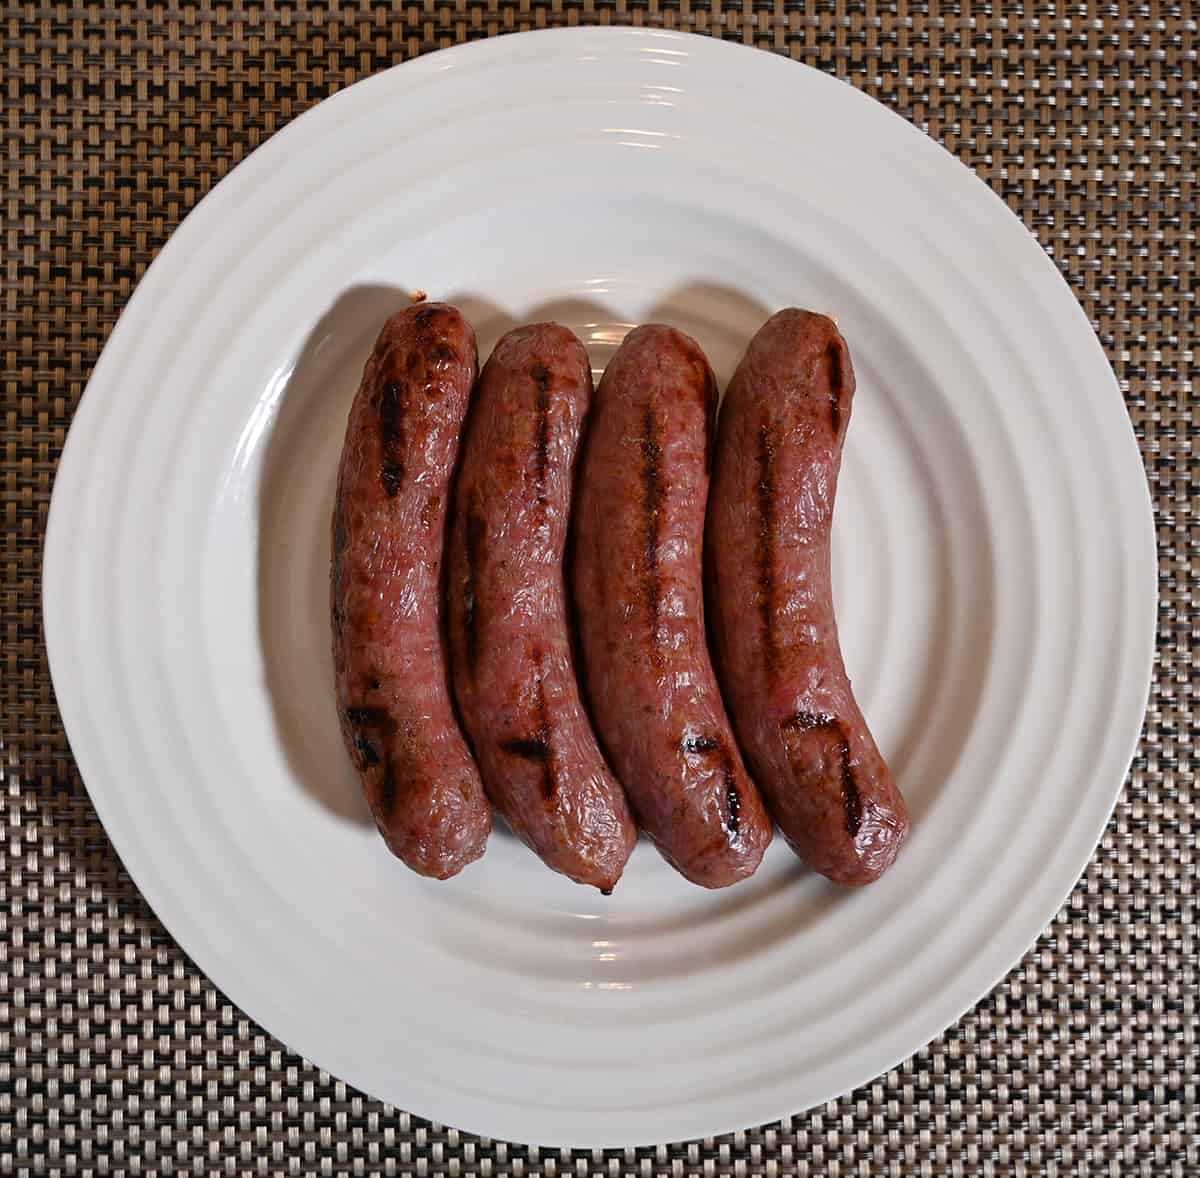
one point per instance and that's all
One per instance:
(117, 1056)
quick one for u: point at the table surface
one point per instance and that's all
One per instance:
(117, 1055)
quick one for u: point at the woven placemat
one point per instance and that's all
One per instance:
(118, 1056)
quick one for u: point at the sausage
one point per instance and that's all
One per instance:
(638, 585)
(388, 532)
(767, 558)
(512, 667)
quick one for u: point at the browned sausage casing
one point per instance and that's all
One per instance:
(779, 448)
(637, 578)
(513, 672)
(388, 533)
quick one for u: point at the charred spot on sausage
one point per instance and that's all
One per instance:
(806, 721)
(694, 744)
(367, 752)
(368, 717)
(541, 379)
(363, 723)
(833, 366)
(391, 437)
(733, 802)
(851, 798)
(536, 747)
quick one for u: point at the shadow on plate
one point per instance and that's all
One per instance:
(721, 318)
(299, 481)
(949, 688)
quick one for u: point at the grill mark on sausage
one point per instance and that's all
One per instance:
(851, 798)
(694, 744)
(391, 437)
(367, 752)
(765, 542)
(537, 747)
(807, 721)
(527, 748)
(365, 723)
(833, 364)
(476, 538)
(541, 380)
(441, 353)
(369, 717)
(652, 511)
(733, 801)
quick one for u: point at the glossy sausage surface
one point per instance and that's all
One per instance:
(513, 669)
(393, 699)
(637, 579)
(775, 641)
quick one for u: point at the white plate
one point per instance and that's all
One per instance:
(994, 567)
